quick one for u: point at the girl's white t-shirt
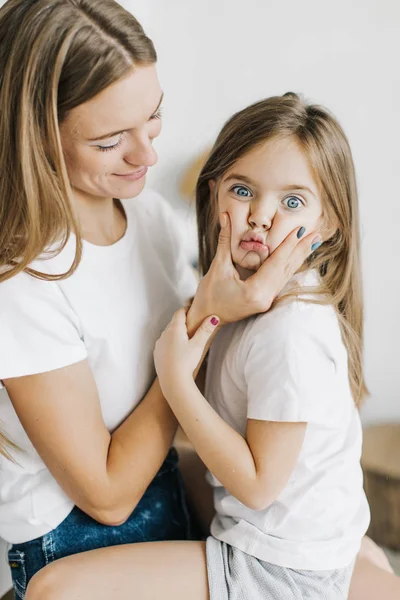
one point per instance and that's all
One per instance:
(290, 365)
(110, 311)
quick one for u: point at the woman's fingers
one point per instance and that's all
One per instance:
(280, 267)
(288, 257)
(223, 253)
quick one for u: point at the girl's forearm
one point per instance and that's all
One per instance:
(222, 449)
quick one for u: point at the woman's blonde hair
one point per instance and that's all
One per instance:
(54, 56)
(326, 147)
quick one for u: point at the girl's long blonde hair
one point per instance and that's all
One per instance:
(328, 152)
(54, 56)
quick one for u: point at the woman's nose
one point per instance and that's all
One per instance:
(141, 152)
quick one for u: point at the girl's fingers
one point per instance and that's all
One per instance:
(204, 332)
(179, 321)
(179, 317)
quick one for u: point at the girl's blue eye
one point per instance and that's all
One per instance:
(293, 202)
(242, 191)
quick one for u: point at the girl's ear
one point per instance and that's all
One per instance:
(212, 186)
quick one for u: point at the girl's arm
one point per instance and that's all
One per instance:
(254, 469)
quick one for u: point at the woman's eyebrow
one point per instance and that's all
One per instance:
(108, 135)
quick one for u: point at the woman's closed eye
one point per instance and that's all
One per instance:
(113, 145)
(293, 203)
(241, 191)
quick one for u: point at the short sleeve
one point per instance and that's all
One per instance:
(185, 276)
(39, 331)
(290, 372)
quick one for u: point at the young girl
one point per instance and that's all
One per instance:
(278, 426)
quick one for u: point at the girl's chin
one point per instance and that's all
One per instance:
(245, 271)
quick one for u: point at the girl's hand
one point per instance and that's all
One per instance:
(177, 357)
(222, 292)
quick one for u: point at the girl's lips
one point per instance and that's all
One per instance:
(254, 247)
(134, 176)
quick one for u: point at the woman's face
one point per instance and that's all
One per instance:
(107, 141)
(268, 192)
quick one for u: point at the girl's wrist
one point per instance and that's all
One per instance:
(176, 388)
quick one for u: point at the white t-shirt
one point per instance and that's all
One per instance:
(110, 311)
(290, 365)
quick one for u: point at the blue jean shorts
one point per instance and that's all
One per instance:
(162, 514)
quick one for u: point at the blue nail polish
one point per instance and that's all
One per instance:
(315, 246)
(301, 232)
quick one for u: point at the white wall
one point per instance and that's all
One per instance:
(216, 56)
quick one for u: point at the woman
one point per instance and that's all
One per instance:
(88, 282)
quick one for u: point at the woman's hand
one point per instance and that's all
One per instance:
(177, 357)
(222, 292)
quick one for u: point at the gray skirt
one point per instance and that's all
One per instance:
(235, 575)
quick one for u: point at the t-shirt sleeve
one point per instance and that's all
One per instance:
(289, 372)
(39, 331)
(185, 276)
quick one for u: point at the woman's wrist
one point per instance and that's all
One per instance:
(194, 319)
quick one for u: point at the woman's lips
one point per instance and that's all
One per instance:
(133, 176)
(253, 246)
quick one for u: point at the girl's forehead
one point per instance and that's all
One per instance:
(278, 162)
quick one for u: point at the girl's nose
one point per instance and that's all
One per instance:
(262, 214)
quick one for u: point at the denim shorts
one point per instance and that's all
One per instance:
(162, 514)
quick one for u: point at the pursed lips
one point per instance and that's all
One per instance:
(253, 242)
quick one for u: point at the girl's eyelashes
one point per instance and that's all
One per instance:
(293, 202)
(241, 191)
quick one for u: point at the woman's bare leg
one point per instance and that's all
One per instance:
(373, 577)
(167, 570)
(370, 582)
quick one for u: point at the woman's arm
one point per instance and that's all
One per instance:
(255, 470)
(104, 474)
